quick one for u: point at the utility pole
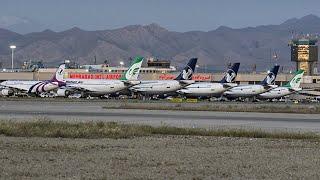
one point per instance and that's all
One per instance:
(12, 47)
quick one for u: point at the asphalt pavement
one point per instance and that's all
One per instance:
(94, 111)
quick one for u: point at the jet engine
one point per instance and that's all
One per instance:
(6, 92)
(63, 92)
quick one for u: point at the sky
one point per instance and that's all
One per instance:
(175, 15)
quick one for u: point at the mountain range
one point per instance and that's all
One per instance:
(252, 46)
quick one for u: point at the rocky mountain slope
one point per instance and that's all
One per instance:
(216, 48)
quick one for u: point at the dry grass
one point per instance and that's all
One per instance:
(47, 128)
(301, 109)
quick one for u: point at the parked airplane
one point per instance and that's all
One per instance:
(209, 89)
(291, 87)
(103, 86)
(34, 87)
(256, 89)
(166, 87)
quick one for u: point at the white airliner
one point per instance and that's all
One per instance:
(34, 87)
(100, 87)
(209, 89)
(291, 87)
(254, 90)
(166, 87)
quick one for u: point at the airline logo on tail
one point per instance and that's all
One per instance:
(58, 76)
(60, 71)
(133, 72)
(296, 80)
(187, 72)
(271, 76)
(231, 74)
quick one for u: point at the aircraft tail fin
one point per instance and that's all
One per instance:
(133, 72)
(231, 74)
(58, 76)
(187, 72)
(271, 76)
(296, 80)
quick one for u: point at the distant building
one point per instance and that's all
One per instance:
(304, 52)
(152, 62)
(32, 65)
(71, 64)
(143, 70)
(153, 66)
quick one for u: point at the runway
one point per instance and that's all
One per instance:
(94, 111)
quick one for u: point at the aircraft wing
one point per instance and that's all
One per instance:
(269, 87)
(295, 89)
(16, 88)
(229, 85)
(186, 82)
(76, 88)
(20, 85)
(131, 83)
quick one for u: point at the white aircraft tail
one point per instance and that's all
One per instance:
(58, 76)
(133, 72)
(295, 82)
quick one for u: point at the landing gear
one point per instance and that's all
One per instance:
(84, 95)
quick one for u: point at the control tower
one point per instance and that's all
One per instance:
(304, 52)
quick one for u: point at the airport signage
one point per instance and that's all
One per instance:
(195, 77)
(202, 77)
(167, 76)
(93, 76)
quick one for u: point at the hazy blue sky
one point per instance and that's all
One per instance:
(177, 15)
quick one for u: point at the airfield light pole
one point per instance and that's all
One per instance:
(121, 63)
(197, 66)
(12, 47)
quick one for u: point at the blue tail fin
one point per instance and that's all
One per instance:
(271, 76)
(187, 72)
(231, 74)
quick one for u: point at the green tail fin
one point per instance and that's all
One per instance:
(133, 72)
(296, 80)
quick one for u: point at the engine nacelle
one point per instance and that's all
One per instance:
(6, 92)
(63, 92)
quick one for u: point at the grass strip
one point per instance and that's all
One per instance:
(226, 108)
(92, 130)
